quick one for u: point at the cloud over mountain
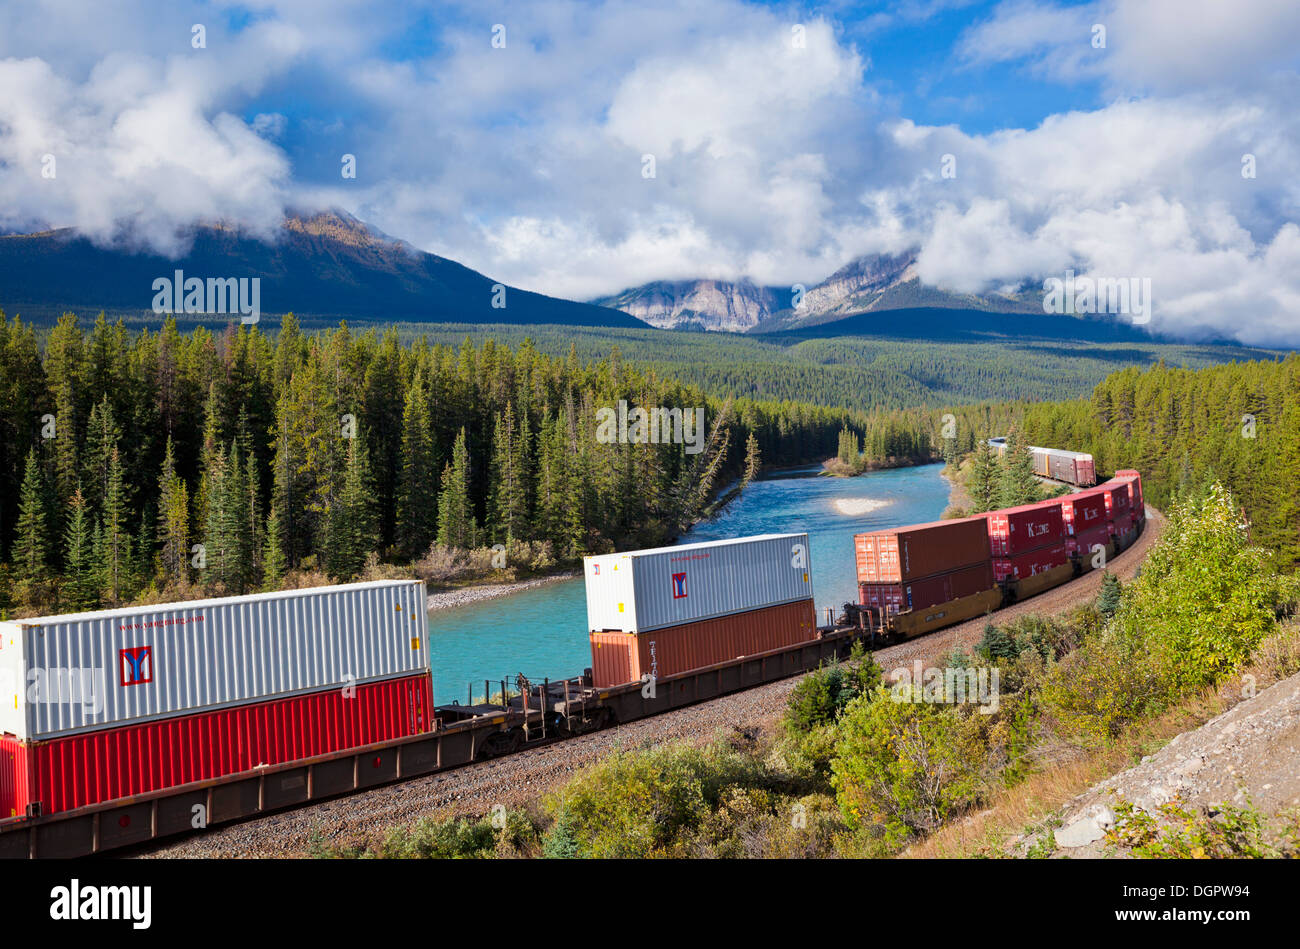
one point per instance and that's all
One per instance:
(779, 153)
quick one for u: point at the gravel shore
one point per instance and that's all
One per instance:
(466, 595)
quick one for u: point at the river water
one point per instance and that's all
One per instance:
(542, 631)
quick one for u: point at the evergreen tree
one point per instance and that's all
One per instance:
(274, 562)
(31, 569)
(173, 519)
(457, 526)
(81, 581)
(1017, 483)
(353, 525)
(509, 505)
(983, 482)
(1108, 599)
(102, 438)
(753, 460)
(417, 501)
(117, 545)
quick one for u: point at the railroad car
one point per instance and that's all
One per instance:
(1071, 467)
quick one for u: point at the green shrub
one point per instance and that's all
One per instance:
(906, 767)
(1204, 599)
(820, 696)
(1179, 834)
(1101, 688)
(461, 837)
(996, 644)
(644, 803)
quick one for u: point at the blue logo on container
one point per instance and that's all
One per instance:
(679, 585)
(137, 665)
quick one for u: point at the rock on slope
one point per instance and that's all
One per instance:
(1251, 753)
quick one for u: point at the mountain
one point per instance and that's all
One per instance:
(326, 265)
(720, 305)
(876, 282)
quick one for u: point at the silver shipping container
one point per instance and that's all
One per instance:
(641, 590)
(60, 675)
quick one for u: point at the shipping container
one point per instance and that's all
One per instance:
(73, 771)
(928, 591)
(1083, 543)
(1118, 501)
(1030, 562)
(643, 590)
(1014, 530)
(61, 675)
(1084, 511)
(1136, 499)
(618, 658)
(903, 554)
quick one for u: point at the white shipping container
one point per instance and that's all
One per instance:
(60, 675)
(641, 590)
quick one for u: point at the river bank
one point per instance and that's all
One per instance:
(463, 596)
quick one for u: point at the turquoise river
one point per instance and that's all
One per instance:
(542, 631)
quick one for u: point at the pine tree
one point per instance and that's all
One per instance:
(81, 580)
(457, 526)
(274, 562)
(31, 571)
(1017, 483)
(353, 523)
(117, 535)
(417, 501)
(1108, 599)
(102, 438)
(753, 460)
(173, 519)
(509, 504)
(982, 484)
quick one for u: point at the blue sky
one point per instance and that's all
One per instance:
(773, 160)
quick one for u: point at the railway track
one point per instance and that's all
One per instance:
(514, 780)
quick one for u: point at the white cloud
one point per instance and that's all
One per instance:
(771, 162)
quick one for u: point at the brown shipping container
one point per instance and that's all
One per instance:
(618, 658)
(929, 591)
(909, 553)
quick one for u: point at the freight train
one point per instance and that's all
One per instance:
(118, 727)
(917, 579)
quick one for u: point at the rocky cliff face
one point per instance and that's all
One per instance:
(859, 283)
(698, 304)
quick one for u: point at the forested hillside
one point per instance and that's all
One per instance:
(866, 373)
(133, 463)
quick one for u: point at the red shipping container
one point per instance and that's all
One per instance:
(1030, 562)
(618, 658)
(1136, 497)
(908, 553)
(94, 767)
(928, 591)
(1083, 512)
(1082, 544)
(1014, 530)
(1117, 498)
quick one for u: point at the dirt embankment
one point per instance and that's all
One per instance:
(1248, 756)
